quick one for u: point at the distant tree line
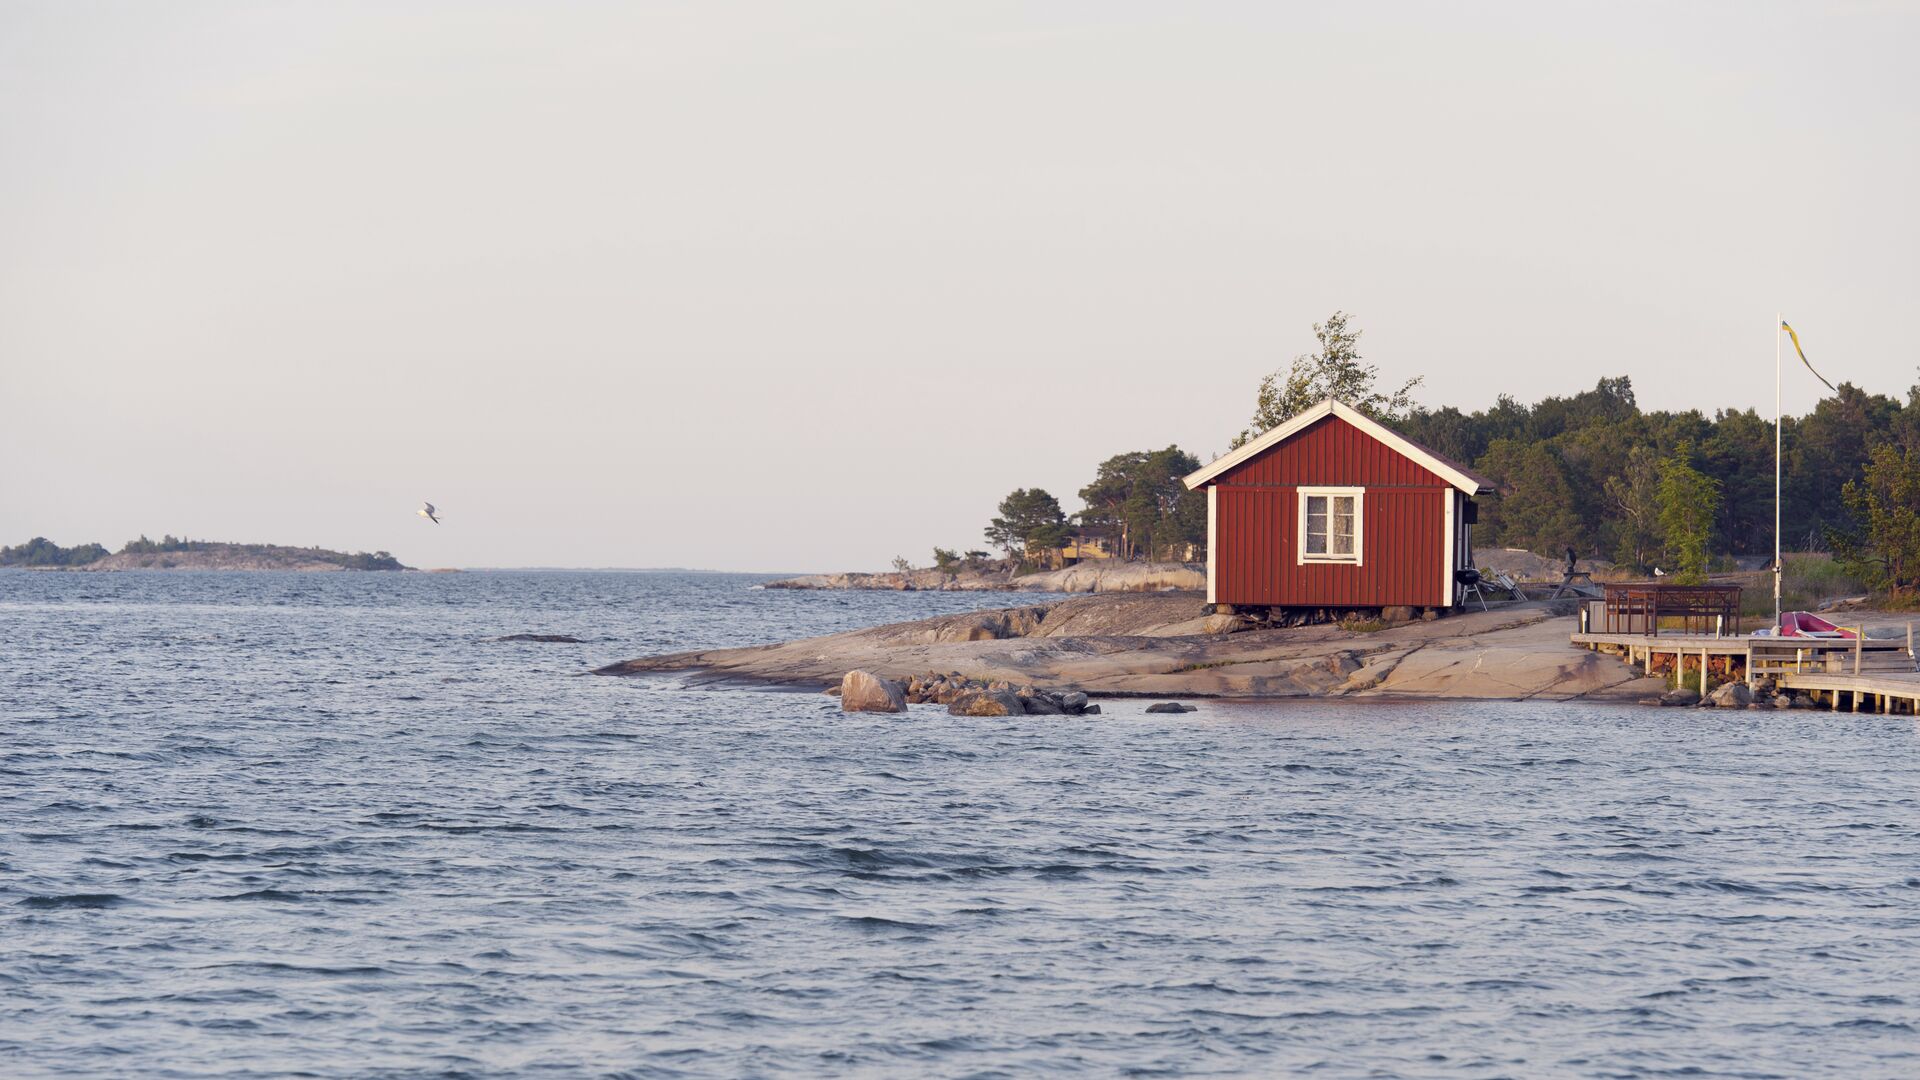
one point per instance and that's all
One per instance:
(1135, 508)
(1586, 471)
(1592, 471)
(40, 551)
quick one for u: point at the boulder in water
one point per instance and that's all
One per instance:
(1170, 707)
(1041, 703)
(862, 691)
(1733, 695)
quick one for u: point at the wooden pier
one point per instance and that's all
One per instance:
(1880, 691)
(1862, 674)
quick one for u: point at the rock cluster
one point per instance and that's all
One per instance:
(863, 692)
(1730, 695)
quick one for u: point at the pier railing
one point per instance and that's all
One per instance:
(1636, 607)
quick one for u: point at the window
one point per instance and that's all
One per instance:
(1330, 524)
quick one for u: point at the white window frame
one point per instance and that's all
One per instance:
(1359, 496)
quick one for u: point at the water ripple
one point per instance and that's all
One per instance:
(261, 825)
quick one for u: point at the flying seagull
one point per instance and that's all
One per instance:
(426, 511)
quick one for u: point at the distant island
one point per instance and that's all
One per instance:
(173, 553)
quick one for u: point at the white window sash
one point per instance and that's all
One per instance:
(1337, 501)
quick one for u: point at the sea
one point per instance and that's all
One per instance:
(328, 825)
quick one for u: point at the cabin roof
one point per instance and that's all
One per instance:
(1458, 475)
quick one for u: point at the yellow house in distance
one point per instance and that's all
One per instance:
(1080, 548)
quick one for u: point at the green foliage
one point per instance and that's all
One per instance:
(1030, 522)
(1689, 501)
(901, 565)
(1884, 550)
(1584, 471)
(1808, 579)
(1593, 485)
(1535, 504)
(41, 551)
(1138, 501)
(170, 544)
(359, 560)
(1827, 449)
(1633, 498)
(1335, 371)
(144, 546)
(945, 561)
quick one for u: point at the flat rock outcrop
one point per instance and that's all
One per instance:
(1157, 646)
(1097, 576)
(204, 555)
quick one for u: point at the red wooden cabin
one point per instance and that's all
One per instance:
(1334, 509)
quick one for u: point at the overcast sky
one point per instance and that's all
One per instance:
(803, 286)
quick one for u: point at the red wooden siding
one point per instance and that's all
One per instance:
(1256, 535)
(1332, 453)
(1403, 533)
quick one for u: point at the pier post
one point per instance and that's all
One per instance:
(1703, 674)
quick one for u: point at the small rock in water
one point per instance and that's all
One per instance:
(1682, 696)
(987, 703)
(862, 691)
(552, 639)
(1169, 707)
(1733, 695)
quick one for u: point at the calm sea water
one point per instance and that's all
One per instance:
(321, 825)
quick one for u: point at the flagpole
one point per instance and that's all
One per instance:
(1777, 321)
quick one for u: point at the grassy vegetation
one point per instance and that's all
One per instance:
(1362, 626)
(1809, 580)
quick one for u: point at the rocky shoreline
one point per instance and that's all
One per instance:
(1165, 646)
(1087, 577)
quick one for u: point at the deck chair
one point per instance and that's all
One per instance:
(1513, 587)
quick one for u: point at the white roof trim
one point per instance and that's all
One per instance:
(1351, 415)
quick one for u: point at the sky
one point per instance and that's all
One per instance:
(807, 286)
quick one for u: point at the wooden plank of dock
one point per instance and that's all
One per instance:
(1863, 673)
(1875, 691)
